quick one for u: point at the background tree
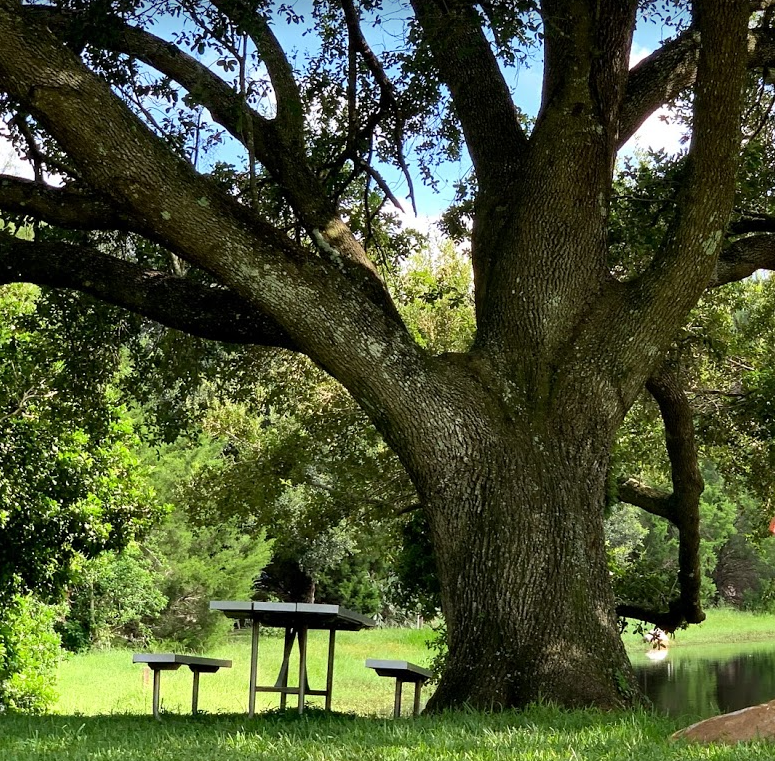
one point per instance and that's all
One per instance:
(70, 488)
(508, 442)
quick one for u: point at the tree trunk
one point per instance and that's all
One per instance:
(522, 563)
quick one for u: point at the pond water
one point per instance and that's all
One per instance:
(698, 682)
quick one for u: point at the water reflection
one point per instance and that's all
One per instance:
(701, 687)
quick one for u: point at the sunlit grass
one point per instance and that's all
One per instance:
(539, 734)
(103, 712)
(108, 681)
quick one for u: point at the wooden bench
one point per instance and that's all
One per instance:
(171, 662)
(402, 671)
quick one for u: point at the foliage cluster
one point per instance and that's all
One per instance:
(29, 654)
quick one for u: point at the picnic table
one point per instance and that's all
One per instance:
(297, 619)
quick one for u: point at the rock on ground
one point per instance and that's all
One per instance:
(754, 723)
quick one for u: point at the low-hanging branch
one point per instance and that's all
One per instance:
(681, 507)
(206, 311)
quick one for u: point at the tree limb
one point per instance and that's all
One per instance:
(743, 257)
(672, 69)
(658, 79)
(688, 485)
(336, 310)
(752, 222)
(206, 311)
(682, 507)
(480, 95)
(290, 110)
(67, 207)
(226, 105)
(684, 265)
(591, 39)
(668, 621)
(654, 501)
(279, 149)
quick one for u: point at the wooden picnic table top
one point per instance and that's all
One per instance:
(288, 614)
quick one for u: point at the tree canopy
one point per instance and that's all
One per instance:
(508, 440)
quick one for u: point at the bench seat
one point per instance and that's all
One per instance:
(159, 662)
(402, 671)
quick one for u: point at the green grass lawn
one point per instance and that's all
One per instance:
(105, 700)
(538, 734)
(125, 687)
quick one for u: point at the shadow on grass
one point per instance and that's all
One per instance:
(542, 733)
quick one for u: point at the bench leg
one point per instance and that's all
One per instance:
(156, 689)
(397, 701)
(416, 706)
(195, 694)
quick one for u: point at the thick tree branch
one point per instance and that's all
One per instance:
(668, 621)
(67, 207)
(335, 310)
(688, 485)
(225, 104)
(751, 222)
(185, 208)
(672, 69)
(277, 147)
(654, 501)
(480, 95)
(681, 270)
(593, 40)
(678, 420)
(743, 257)
(658, 79)
(208, 312)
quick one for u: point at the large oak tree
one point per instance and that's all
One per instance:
(508, 443)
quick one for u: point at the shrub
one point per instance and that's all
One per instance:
(114, 600)
(29, 653)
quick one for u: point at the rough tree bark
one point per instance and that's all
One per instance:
(507, 444)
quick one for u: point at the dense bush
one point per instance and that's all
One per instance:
(115, 599)
(29, 653)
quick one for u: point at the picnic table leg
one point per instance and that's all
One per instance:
(397, 701)
(156, 688)
(282, 677)
(416, 706)
(253, 669)
(303, 686)
(330, 671)
(195, 693)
